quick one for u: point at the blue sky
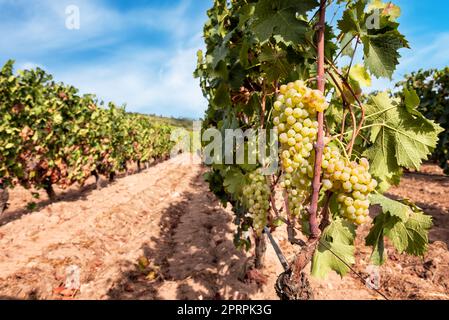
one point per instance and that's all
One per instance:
(143, 53)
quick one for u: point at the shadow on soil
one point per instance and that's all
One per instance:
(189, 262)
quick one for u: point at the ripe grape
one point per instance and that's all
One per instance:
(295, 117)
(256, 196)
(352, 183)
(295, 114)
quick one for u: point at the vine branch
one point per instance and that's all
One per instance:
(319, 146)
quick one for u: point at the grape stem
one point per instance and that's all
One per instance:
(347, 106)
(319, 146)
(263, 105)
(351, 90)
(343, 123)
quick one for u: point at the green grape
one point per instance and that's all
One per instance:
(256, 195)
(295, 113)
(351, 181)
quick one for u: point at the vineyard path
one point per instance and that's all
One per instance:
(165, 214)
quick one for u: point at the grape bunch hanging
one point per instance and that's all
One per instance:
(295, 118)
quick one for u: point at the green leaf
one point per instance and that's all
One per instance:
(243, 54)
(408, 235)
(246, 13)
(411, 236)
(279, 17)
(381, 43)
(375, 238)
(399, 139)
(221, 51)
(346, 45)
(274, 63)
(222, 96)
(338, 237)
(349, 22)
(381, 52)
(233, 181)
(411, 100)
(395, 208)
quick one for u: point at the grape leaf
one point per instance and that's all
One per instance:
(274, 63)
(359, 74)
(280, 17)
(380, 38)
(407, 234)
(243, 54)
(349, 22)
(381, 52)
(346, 45)
(395, 208)
(233, 181)
(222, 96)
(221, 51)
(399, 139)
(339, 237)
(245, 14)
(375, 238)
(411, 100)
(411, 236)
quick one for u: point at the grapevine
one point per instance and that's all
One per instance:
(52, 135)
(277, 65)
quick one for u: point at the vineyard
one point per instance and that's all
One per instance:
(324, 189)
(50, 135)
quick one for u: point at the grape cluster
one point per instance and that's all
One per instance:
(352, 183)
(296, 198)
(295, 113)
(257, 198)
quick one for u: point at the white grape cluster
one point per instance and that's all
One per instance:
(296, 198)
(352, 183)
(295, 114)
(257, 198)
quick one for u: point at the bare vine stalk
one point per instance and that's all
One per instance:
(319, 146)
(307, 250)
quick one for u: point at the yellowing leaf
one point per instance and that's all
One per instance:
(358, 73)
(388, 9)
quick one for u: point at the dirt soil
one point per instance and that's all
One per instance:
(160, 234)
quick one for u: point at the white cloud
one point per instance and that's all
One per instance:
(28, 65)
(149, 79)
(432, 54)
(133, 78)
(40, 26)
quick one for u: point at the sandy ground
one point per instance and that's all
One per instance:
(160, 234)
